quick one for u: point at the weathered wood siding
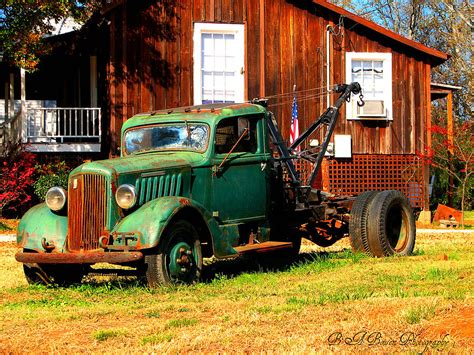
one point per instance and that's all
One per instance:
(151, 64)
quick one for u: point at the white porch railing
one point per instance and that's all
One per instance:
(63, 125)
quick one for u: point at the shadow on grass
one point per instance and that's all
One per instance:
(5, 227)
(250, 263)
(269, 263)
(117, 280)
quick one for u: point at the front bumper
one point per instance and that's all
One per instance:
(79, 258)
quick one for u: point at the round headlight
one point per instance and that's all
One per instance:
(126, 196)
(56, 198)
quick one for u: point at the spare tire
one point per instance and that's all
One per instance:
(392, 229)
(358, 222)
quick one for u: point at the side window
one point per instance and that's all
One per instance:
(373, 71)
(227, 135)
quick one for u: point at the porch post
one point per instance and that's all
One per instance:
(24, 123)
(11, 106)
(450, 124)
(93, 80)
(6, 100)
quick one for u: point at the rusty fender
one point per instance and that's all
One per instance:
(150, 220)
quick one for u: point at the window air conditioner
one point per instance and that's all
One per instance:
(372, 109)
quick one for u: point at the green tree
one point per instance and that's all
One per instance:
(24, 23)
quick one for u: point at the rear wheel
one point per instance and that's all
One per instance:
(358, 222)
(178, 257)
(392, 227)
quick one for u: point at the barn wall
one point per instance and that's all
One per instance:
(151, 64)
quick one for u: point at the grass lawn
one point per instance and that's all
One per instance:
(331, 300)
(8, 226)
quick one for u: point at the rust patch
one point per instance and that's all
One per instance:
(87, 211)
(447, 213)
(184, 201)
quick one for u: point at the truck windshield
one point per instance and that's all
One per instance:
(177, 136)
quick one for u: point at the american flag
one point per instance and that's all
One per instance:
(294, 129)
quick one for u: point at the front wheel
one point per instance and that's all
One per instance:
(178, 257)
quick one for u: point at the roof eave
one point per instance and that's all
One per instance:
(437, 57)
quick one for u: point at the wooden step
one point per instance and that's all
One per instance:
(263, 247)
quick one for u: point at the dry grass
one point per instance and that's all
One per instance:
(8, 226)
(244, 306)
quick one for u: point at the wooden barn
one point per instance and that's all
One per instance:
(146, 55)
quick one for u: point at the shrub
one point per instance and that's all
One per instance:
(16, 180)
(50, 175)
(45, 182)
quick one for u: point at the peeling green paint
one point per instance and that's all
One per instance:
(38, 223)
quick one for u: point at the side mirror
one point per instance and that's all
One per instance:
(243, 125)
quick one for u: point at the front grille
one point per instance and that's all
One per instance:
(149, 188)
(87, 211)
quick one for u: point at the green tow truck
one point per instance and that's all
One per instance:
(195, 182)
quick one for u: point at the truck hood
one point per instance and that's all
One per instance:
(141, 163)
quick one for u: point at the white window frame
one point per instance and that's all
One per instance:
(238, 31)
(351, 108)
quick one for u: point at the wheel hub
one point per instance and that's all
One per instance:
(181, 260)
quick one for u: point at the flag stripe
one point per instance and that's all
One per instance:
(294, 128)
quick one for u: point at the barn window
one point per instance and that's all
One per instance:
(218, 63)
(374, 72)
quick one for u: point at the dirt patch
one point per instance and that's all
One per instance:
(458, 323)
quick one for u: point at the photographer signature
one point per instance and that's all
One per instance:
(408, 339)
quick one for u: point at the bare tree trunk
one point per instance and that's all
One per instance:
(462, 202)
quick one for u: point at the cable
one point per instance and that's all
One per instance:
(309, 97)
(291, 93)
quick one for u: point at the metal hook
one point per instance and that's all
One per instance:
(361, 102)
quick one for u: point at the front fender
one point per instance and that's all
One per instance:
(38, 223)
(143, 228)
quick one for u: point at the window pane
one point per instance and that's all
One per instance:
(207, 43)
(378, 66)
(207, 80)
(207, 62)
(219, 63)
(230, 63)
(230, 45)
(356, 66)
(219, 44)
(219, 80)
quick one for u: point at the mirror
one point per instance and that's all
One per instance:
(242, 124)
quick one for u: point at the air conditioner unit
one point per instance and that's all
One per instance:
(372, 109)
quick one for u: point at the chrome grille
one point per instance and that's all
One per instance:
(87, 211)
(149, 188)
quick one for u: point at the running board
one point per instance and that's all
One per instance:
(263, 247)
